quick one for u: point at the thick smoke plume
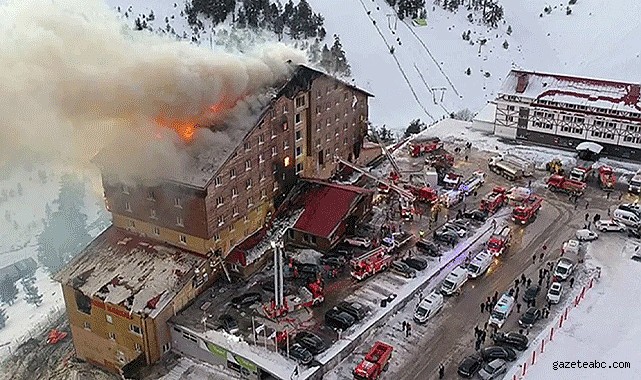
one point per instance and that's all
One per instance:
(74, 77)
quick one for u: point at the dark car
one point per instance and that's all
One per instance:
(339, 320)
(228, 323)
(634, 233)
(531, 293)
(636, 258)
(497, 352)
(477, 215)
(402, 269)
(246, 300)
(333, 260)
(529, 318)
(299, 353)
(511, 339)
(312, 342)
(345, 252)
(428, 247)
(416, 263)
(355, 309)
(446, 236)
(469, 366)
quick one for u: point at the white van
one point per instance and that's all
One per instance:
(626, 217)
(479, 264)
(571, 247)
(502, 310)
(454, 281)
(429, 306)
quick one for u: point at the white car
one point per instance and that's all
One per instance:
(554, 294)
(460, 230)
(609, 225)
(563, 269)
(359, 241)
(586, 235)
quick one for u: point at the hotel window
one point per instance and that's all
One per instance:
(135, 329)
(183, 239)
(178, 202)
(299, 167)
(299, 151)
(132, 224)
(235, 211)
(231, 228)
(271, 113)
(127, 206)
(179, 221)
(125, 189)
(218, 181)
(274, 134)
(336, 102)
(318, 126)
(346, 112)
(336, 117)
(327, 137)
(345, 95)
(336, 132)
(344, 140)
(344, 126)
(109, 319)
(248, 165)
(247, 145)
(232, 173)
(318, 93)
(261, 158)
(86, 325)
(596, 133)
(221, 220)
(220, 201)
(285, 144)
(151, 195)
(327, 105)
(579, 120)
(234, 192)
(275, 186)
(318, 110)
(250, 201)
(137, 347)
(248, 183)
(510, 108)
(284, 108)
(318, 143)
(509, 118)
(285, 126)
(262, 176)
(261, 139)
(300, 101)
(112, 335)
(152, 213)
(299, 135)
(274, 151)
(263, 194)
(156, 231)
(216, 237)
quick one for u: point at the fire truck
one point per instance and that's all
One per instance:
(472, 184)
(527, 210)
(370, 263)
(422, 194)
(607, 179)
(493, 200)
(499, 241)
(452, 181)
(559, 183)
(374, 363)
(309, 296)
(421, 147)
(581, 171)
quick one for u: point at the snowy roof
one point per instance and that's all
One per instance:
(486, 114)
(591, 146)
(128, 270)
(582, 91)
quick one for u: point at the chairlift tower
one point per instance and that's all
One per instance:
(442, 90)
(392, 20)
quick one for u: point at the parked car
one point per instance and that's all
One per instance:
(339, 320)
(554, 294)
(245, 300)
(634, 233)
(586, 235)
(312, 342)
(511, 339)
(228, 323)
(416, 263)
(460, 231)
(446, 236)
(428, 247)
(563, 269)
(358, 241)
(402, 269)
(636, 258)
(529, 318)
(469, 366)
(493, 370)
(299, 353)
(531, 293)
(609, 225)
(333, 260)
(355, 309)
(477, 215)
(498, 352)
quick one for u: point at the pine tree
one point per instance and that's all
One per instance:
(340, 60)
(8, 292)
(3, 318)
(137, 24)
(288, 13)
(32, 295)
(151, 16)
(415, 127)
(505, 44)
(509, 30)
(326, 61)
(468, 71)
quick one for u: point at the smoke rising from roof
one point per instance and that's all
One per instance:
(74, 77)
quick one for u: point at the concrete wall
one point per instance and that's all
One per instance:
(484, 126)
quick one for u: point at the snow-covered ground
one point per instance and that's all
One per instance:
(605, 326)
(25, 320)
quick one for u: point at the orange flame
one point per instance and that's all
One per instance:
(187, 128)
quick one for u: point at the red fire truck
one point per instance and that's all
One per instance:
(607, 179)
(423, 194)
(370, 263)
(499, 241)
(419, 148)
(307, 297)
(527, 210)
(564, 185)
(493, 200)
(374, 363)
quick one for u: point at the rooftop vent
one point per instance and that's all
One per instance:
(521, 84)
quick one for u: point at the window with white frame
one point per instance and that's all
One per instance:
(328, 122)
(247, 145)
(231, 228)
(183, 239)
(248, 165)
(285, 126)
(275, 186)
(285, 144)
(135, 329)
(318, 110)
(261, 158)
(152, 214)
(112, 335)
(263, 194)
(178, 202)
(151, 195)
(248, 183)
(127, 206)
(261, 139)
(86, 325)
(109, 319)
(274, 151)
(336, 117)
(179, 221)
(218, 181)
(234, 211)
(232, 173)
(299, 167)
(156, 231)
(274, 134)
(234, 192)
(262, 175)
(250, 201)
(216, 237)
(220, 201)
(125, 189)
(137, 347)
(299, 135)
(132, 224)
(298, 118)
(299, 151)
(166, 347)
(318, 126)
(285, 108)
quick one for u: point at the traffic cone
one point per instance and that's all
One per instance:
(524, 368)
(542, 345)
(551, 334)
(533, 357)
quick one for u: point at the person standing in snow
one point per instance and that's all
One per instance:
(441, 371)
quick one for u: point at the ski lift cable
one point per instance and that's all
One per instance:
(431, 90)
